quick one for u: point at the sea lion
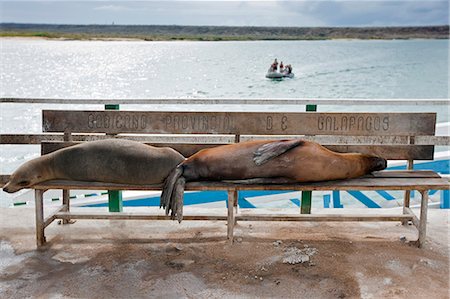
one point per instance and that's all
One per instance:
(111, 161)
(280, 161)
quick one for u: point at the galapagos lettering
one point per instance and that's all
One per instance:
(353, 123)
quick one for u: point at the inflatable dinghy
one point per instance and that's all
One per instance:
(277, 75)
(274, 75)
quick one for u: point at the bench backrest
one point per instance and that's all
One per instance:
(253, 124)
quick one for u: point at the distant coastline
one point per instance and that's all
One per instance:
(216, 33)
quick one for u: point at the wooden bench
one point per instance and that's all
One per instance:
(390, 135)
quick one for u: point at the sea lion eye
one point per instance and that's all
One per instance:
(23, 183)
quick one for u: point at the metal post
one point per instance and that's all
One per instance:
(307, 195)
(115, 203)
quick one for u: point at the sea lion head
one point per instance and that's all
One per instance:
(374, 163)
(27, 175)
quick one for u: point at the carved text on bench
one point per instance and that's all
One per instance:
(360, 123)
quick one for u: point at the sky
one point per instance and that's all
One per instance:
(316, 13)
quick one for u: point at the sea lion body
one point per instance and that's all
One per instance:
(305, 162)
(112, 161)
(285, 161)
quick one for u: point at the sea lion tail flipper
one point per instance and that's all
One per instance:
(177, 200)
(274, 149)
(169, 185)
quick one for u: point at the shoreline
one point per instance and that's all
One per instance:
(218, 33)
(131, 39)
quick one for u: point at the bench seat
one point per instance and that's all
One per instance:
(382, 180)
(421, 181)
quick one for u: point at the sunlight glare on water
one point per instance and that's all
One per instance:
(325, 69)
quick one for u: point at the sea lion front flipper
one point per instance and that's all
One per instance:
(274, 149)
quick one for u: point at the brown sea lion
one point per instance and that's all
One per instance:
(283, 161)
(111, 161)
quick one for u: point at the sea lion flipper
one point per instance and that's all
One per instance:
(274, 149)
(169, 185)
(178, 198)
(172, 195)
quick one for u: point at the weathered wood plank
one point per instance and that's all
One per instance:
(40, 226)
(134, 216)
(379, 174)
(404, 174)
(240, 123)
(253, 217)
(230, 215)
(390, 152)
(240, 101)
(351, 184)
(48, 220)
(423, 219)
(322, 217)
(159, 138)
(414, 219)
(322, 139)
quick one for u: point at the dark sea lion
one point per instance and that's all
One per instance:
(111, 161)
(282, 161)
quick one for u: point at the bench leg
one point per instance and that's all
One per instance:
(406, 203)
(235, 203)
(230, 218)
(423, 219)
(66, 204)
(39, 204)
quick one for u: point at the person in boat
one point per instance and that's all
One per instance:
(281, 67)
(274, 66)
(288, 69)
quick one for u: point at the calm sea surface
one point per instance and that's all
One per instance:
(128, 69)
(326, 69)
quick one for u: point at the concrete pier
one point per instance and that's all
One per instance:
(164, 259)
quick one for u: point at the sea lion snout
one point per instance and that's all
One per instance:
(13, 186)
(377, 163)
(7, 189)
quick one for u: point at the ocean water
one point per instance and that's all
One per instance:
(125, 69)
(135, 69)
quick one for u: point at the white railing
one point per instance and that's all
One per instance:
(233, 101)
